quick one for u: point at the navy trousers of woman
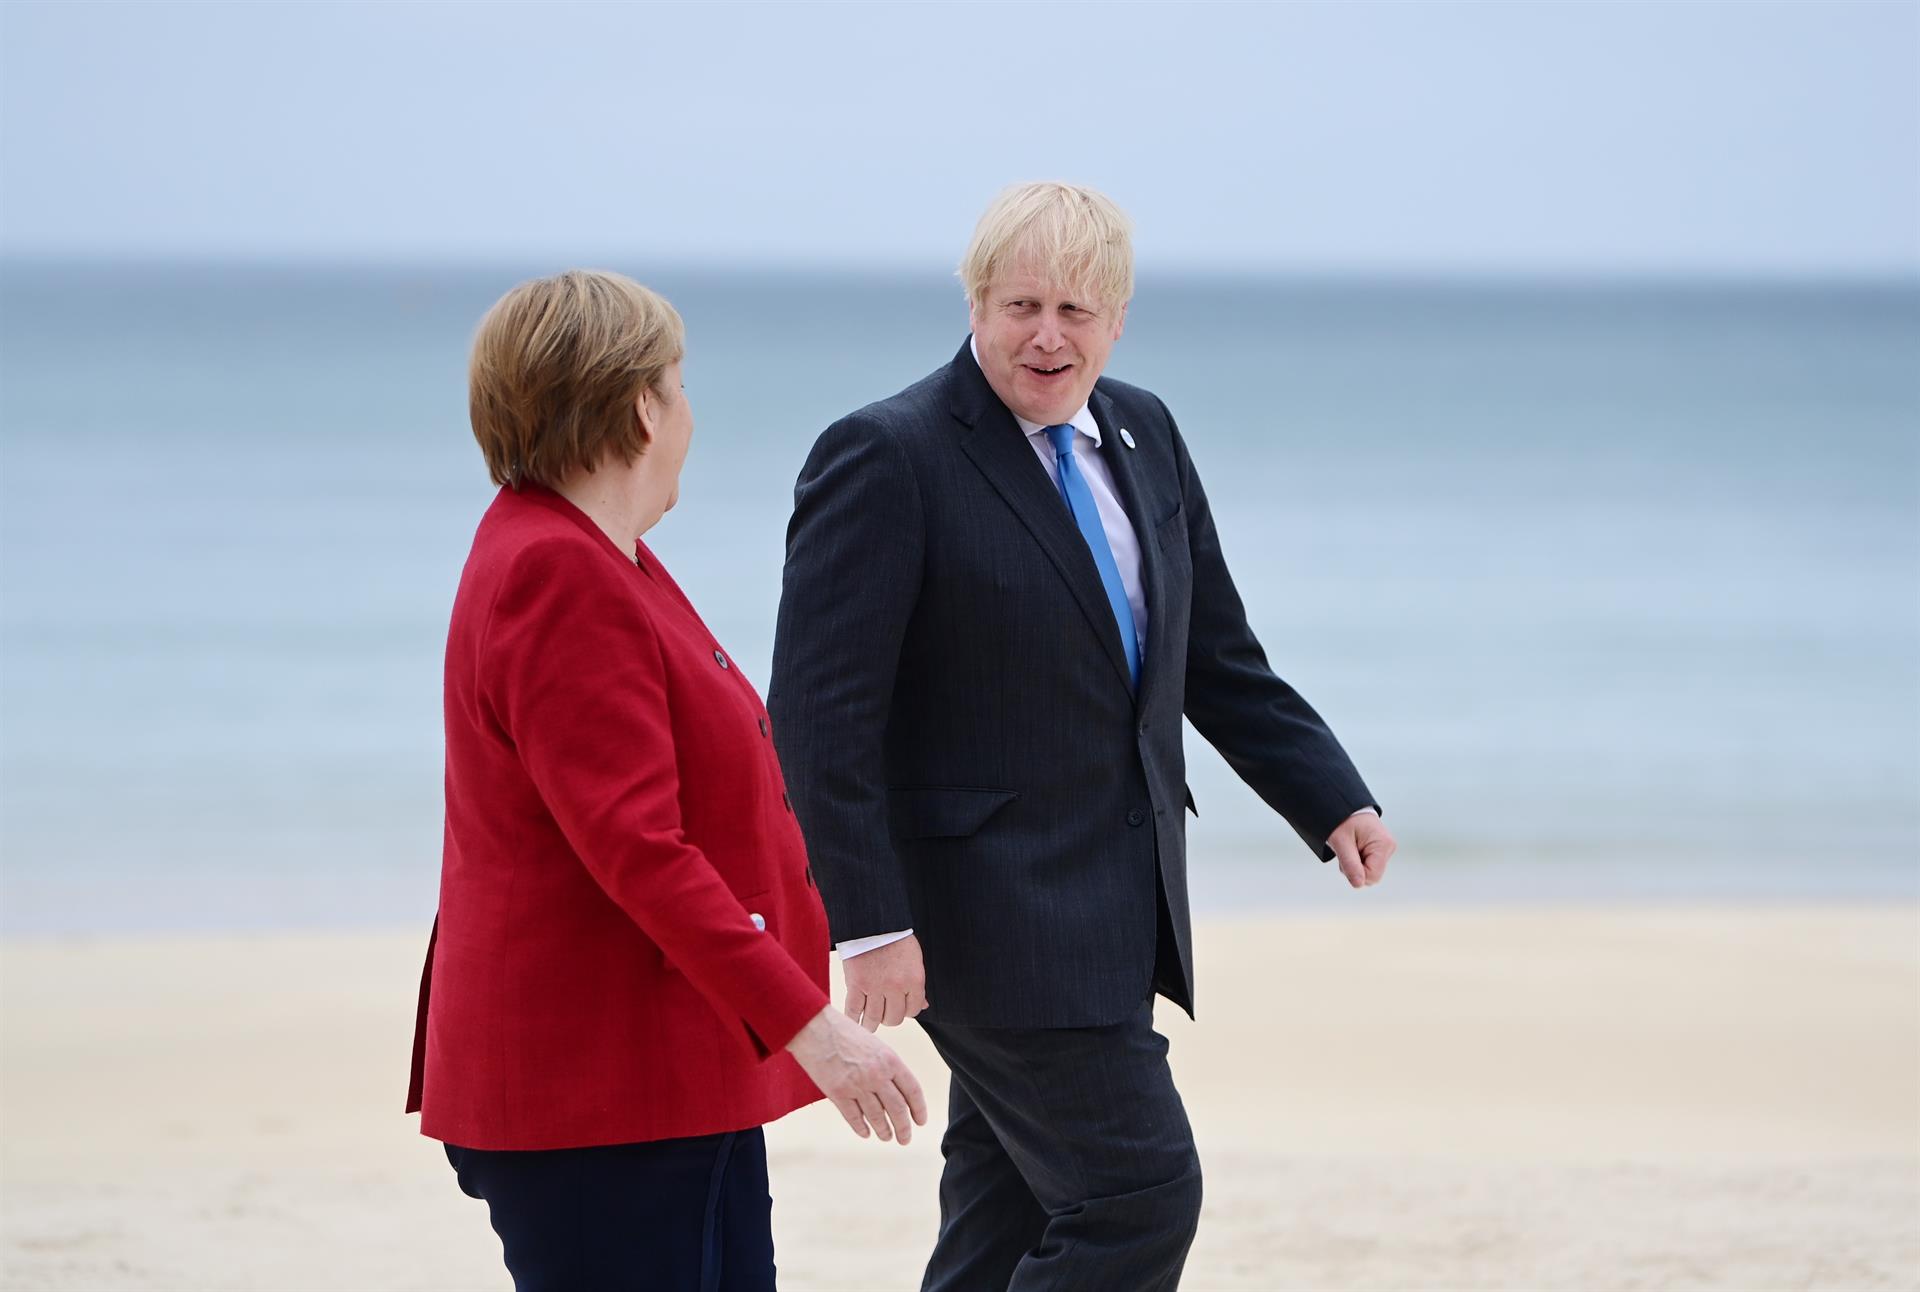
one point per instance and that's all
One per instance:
(675, 1215)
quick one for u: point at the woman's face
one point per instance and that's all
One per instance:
(669, 419)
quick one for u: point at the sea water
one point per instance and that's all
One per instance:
(1611, 590)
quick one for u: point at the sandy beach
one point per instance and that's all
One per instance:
(1614, 1098)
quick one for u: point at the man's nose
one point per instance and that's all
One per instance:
(1049, 337)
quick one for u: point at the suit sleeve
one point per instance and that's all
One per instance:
(854, 551)
(1268, 734)
(575, 676)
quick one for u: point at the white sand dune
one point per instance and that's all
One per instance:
(1614, 1098)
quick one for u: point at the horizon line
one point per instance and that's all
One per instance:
(896, 270)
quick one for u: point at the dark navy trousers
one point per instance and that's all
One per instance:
(676, 1215)
(1070, 1164)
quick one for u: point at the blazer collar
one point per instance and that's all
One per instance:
(538, 495)
(969, 397)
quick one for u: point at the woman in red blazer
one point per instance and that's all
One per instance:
(628, 973)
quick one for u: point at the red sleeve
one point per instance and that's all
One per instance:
(573, 672)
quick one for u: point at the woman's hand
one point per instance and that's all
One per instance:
(862, 1075)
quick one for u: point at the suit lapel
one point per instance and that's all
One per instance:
(995, 444)
(1134, 494)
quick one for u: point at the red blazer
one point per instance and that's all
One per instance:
(628, 933)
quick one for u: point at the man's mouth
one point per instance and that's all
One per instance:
(1048, 372)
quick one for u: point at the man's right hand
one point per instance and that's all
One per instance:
(886, 985)
(862, 1075)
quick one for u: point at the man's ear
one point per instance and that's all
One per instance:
(1121, 324)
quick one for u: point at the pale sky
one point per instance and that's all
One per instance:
(1691, 136)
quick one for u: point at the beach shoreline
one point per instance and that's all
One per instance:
(1626, 1096)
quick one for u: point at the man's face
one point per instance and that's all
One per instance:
(1042, 345)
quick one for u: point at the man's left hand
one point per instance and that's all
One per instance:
(1363, 844)
(886, 985)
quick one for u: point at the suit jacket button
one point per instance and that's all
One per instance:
(759, 921)
(720, 659)
(1136, 817)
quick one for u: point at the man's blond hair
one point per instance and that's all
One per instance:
(558, 366)
(1076, 236)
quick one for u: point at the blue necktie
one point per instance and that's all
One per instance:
(1073, 487)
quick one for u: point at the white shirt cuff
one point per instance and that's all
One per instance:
(860, 946)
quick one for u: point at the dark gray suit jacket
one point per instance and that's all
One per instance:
(951, 705)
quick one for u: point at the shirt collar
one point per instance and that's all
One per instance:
(1081, 421)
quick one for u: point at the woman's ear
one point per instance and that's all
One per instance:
(646, 410)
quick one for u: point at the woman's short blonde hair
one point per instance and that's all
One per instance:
(1077, 235)
(558, 367)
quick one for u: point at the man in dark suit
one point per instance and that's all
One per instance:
(1003, 590)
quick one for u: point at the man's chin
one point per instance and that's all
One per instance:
(1047, 407)
(1055, 413)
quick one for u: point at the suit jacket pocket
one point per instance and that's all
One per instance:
(1170, 532)
(943, 811)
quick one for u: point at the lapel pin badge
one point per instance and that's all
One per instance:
(1126, 437)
